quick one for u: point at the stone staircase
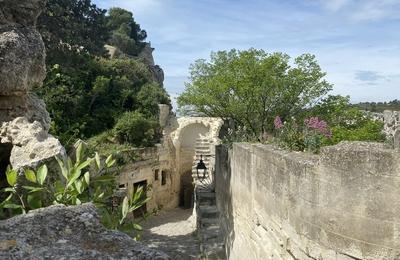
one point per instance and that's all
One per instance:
(208, 229)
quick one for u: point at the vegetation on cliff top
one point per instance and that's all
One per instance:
(85, 91)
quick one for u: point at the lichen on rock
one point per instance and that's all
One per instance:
(60, 232)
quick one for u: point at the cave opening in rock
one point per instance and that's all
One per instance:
(5, 153)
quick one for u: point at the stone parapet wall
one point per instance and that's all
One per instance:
(342, 204)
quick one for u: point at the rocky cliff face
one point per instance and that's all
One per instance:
(23, 115)
(156, 71)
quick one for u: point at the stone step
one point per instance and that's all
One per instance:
(213, 250)
(208, 211)
(205, 189)
(203, 145)
(214, 253)
(206, 235)
(205, 156)
(203, 141)
(208, 222)
(202, 148)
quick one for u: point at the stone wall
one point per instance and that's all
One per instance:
(150, 168)
(391, 120)
(341, 204)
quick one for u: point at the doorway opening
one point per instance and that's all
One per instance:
(140, 212)
(5, 153)
(186, 200)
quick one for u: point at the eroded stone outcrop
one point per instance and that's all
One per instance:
(24, 121)
(157, 72)
(60, 232)
(31, 143)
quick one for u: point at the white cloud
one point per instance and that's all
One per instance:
(335, 5)
(372, 10)
(364, 10)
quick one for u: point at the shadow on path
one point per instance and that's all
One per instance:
(172, 232)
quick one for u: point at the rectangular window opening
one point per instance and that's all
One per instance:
(163, 178)
(156, 173)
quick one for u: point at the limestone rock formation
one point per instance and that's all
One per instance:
(60, 232)
(156, 71)
(24, 121)
(158, 74)
(31, 143)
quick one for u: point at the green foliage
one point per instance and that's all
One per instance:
(393, 105)
(134, 128)
(252, 86)
(291, 136)
(367, 131)
(84, 91)
(329, 122)
(149, 96)
(126, 33)
(120, 218)
(85, 180)
(347, 122)
(72, 27)
(86, 103)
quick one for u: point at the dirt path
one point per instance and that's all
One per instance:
(172, 232)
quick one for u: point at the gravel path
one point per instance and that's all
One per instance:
(173, 233)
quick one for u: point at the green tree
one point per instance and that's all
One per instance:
(346, 122)
(251, 87)
(149, 96)
(126, 33)
(72, 28)
(136, 129)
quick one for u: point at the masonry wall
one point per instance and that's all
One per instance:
(152, 161)
(342, 204)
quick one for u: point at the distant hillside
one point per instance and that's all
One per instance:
(379, 106)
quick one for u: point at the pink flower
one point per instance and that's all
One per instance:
(278, 122)
(319, 125)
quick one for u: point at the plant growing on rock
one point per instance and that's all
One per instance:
(289, 134)
(308, 136)
(86, 180)
(120, 219)
(315, 131)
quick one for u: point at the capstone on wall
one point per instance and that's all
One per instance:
(341, 204)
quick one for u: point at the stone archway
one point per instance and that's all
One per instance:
(185, 139)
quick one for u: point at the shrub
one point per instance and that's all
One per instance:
(86, 180)
(136, 129)
(289, 134)
(347, 123)
(329, 122)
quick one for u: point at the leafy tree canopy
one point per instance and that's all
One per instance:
(85, 91)
(251, 87)
(126, 33)
(71, 27)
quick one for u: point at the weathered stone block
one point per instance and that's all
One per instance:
(60, 232)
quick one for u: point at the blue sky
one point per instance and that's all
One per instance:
(357, 42)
